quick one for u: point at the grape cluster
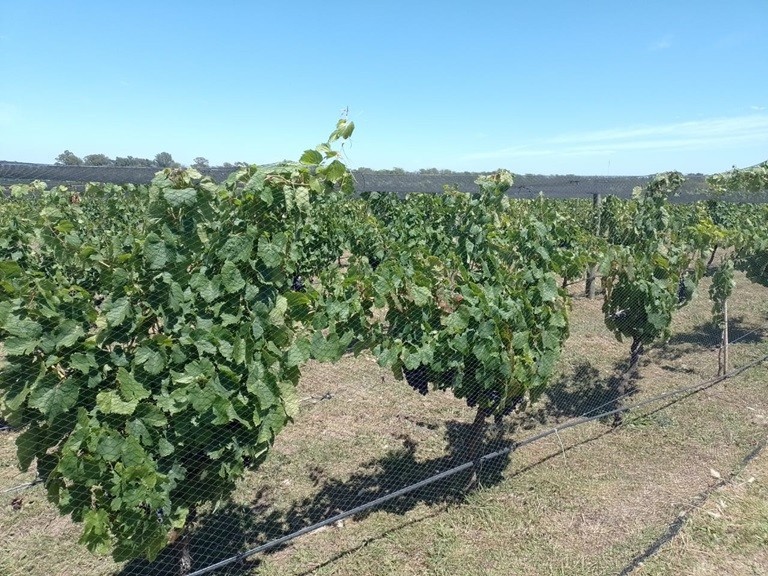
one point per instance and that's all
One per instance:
(298, 284)
(418, 379)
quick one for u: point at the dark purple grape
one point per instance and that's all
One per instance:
(418, 379)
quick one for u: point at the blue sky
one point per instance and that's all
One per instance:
(551, 87)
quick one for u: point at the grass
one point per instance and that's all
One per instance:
(726, 534)
(593, 499)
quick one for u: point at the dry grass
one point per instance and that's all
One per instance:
(590, 500)
(726, 534)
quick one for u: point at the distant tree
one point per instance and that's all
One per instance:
(232, 165)
(97, 160)
(165, 160)
(201, 164)
(67, 158)
(133, 161)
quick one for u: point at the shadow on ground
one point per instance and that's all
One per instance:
(707, 335)
(585, 392)
(235, 528)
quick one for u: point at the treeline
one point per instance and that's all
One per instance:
(161, 160)
(165, 160)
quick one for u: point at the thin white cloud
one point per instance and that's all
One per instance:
(661, 44)
(715, 133)
(757, 108)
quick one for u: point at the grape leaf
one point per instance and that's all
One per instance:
(53, 396)
(109, 402)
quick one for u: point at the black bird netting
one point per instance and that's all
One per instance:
(285, 370)
(366, 180)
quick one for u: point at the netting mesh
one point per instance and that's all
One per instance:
(278, 373)
(366, 180)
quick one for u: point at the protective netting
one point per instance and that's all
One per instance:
(397, 181)
(281, 373)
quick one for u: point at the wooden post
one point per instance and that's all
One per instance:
(722, 355)
(591, 270)
(725, 337)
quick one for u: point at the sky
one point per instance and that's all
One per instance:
(545, 87)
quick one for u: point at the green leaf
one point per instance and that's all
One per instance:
(83, 362)
(421, 295)
(155, 251)
(289, 398)
(335, 170)
(132, 454)
(5, 311)
(547, 362)
(345, 131)
(257, 179)
(52, 396)
(311, 157)
(458, 321)
(109, 402)
(176, 296)
(202, 398)
(68, 333)
(270, 253)
(520, 340)
(117, 311)
(209, 290)
(20, 346)
(29, 445)
(183, 197)
(257, 386)
(231, 279)
(299, 353)
(659, 320)
(24, 329)
(151, 415)
(110, 446)
(270, 426)
(138, 429)
(152, 361)
(237, 249)
(277, 314)
(326, 349)
(15, 385)
(257, 330)
(64, 227)
(548, 289)
(96, 534)
(9, 269)
(164, 447)
(130, 388)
